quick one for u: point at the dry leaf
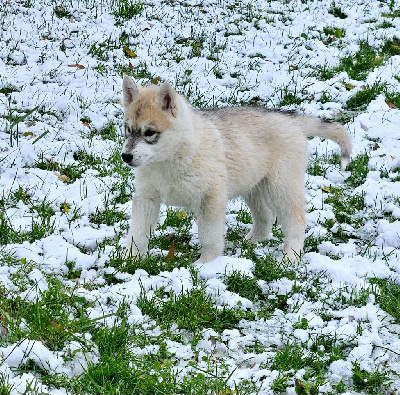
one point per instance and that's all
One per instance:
(294, 67)
(26, 134)
(393, 157)
(55, 326)
(79, 66)
(326, 189)
(25, 193)
(349, 87)
(3, 331)
(171, 251)
(66, 209)
(87, 124)
(130, 66)
(155, 80)
(62, 177)
(129, 52)
(51, 162)
(391, 105)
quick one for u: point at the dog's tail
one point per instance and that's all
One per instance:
(337, 133)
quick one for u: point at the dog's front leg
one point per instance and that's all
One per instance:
(211, 225)
(145, 211)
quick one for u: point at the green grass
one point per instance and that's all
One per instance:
(387, 293)
(55, 318)
(362, 98)
(336, 11)
(373, 382)
(55, 305)
(190, 310)
(358, 168)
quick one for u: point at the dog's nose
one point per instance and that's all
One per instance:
(127, 157)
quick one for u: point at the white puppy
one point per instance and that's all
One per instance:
(199, 159)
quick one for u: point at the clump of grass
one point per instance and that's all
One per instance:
(8, 89)
(41, 224)
(124, 10)
(108, 216)
(387, 293)
(53, 318)
(345, 206)
(5, 386)
(363, 97)
(358, 168)
(319, 165)
(289, 97)
(61, 11)
(366, 59)
(108, 132)
(336, 11)
(393, 98)
(191, 310)
(372, 382)
(244, 286)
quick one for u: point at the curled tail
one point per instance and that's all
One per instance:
(337, 133)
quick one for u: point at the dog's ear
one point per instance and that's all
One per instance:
(129, 90)
(166, 98)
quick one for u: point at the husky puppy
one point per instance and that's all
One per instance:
(199, 159)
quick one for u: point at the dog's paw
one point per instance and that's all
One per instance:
(257, 237)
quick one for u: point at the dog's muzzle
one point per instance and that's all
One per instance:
(127, 158)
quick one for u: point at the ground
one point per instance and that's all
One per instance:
(77, 317)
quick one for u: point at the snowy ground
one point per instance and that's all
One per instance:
(64, 197)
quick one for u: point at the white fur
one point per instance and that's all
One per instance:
(204, 158)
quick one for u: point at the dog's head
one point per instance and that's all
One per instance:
(150, 114)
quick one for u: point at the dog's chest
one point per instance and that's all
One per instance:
(178, 188)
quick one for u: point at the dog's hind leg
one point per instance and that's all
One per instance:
(287, 197)
(262, 215)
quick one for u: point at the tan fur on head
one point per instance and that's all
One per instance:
(146, 110)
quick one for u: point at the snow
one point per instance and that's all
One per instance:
(42, 72)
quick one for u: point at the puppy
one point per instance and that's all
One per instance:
(199, 159)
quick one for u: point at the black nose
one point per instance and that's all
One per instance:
(127, 157)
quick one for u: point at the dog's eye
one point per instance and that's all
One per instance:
(149, 133)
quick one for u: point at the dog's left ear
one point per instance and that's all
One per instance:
(166, 98)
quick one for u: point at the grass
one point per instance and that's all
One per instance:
(151, 324)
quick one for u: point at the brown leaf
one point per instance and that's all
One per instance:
(26, 134)
(391, 105)
(294, 67)
(79, 66)
(62, 177)
(155, 80)
(87, 124)
(171, 251)
(55, 326)
(130, 66)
